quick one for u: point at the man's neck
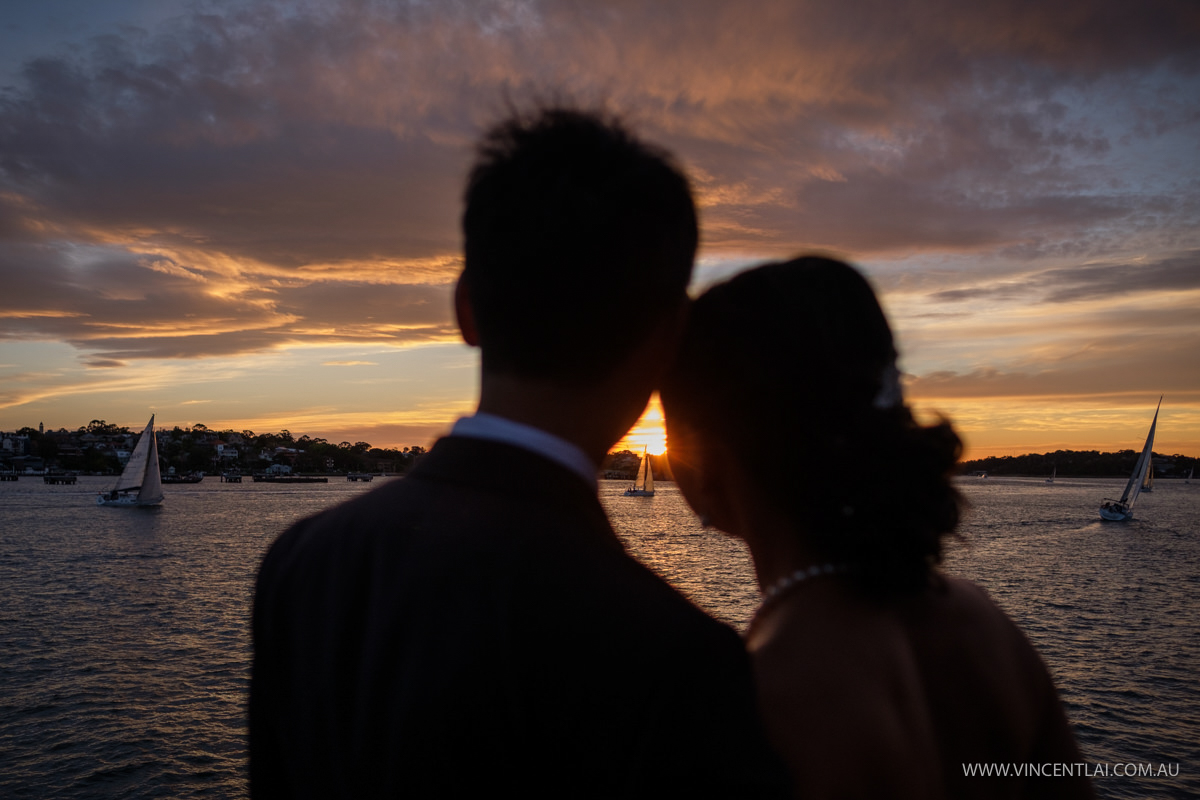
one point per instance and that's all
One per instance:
(590, 417)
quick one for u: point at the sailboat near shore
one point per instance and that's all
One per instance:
(140, 483)
(643, 486)
(1122, 510)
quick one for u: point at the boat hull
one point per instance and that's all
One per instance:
(1115, 514)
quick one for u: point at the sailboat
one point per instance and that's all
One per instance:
(1190, 473)
(1053, 473)
(644, 485)
(140, 483)
(1121, 510)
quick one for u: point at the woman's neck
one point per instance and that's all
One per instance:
(775, 538)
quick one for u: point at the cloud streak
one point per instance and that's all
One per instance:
(1179, 273)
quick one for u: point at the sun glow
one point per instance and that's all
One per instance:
(648, 433)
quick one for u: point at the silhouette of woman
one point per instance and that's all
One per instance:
(878, 675)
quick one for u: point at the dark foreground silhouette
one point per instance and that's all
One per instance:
(477, 629)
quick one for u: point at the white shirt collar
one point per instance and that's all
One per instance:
(501, 429)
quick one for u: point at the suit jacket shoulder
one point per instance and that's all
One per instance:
(478, 624)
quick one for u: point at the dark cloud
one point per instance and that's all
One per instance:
(1108, 366)
(295, 135)
(1179, 274)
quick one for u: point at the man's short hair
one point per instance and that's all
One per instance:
(579, 239)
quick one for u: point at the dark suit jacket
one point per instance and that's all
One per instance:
(478, 627)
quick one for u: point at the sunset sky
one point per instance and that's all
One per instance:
(245, 214)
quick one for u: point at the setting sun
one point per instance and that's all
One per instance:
(647, 433)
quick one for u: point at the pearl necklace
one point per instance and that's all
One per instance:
(788, 582)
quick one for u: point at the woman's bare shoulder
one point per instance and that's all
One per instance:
(913, 685)
(957, 601)
(965, 639)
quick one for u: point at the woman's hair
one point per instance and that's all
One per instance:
(793, 366)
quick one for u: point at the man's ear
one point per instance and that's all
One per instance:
(465, 313)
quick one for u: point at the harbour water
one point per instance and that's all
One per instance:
(124, 644)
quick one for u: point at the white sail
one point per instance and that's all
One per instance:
(643, 484)
(1144, 463)
(135, 468)
(141, 474)
(151, 491)
(1123, 509)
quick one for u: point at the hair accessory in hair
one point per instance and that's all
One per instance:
(889, 395)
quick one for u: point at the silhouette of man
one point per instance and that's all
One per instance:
(477, 626)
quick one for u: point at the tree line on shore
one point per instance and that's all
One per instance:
(94, 448)
(1066, 463)
(1079, 464)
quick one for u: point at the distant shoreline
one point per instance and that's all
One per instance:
(1077, 464)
